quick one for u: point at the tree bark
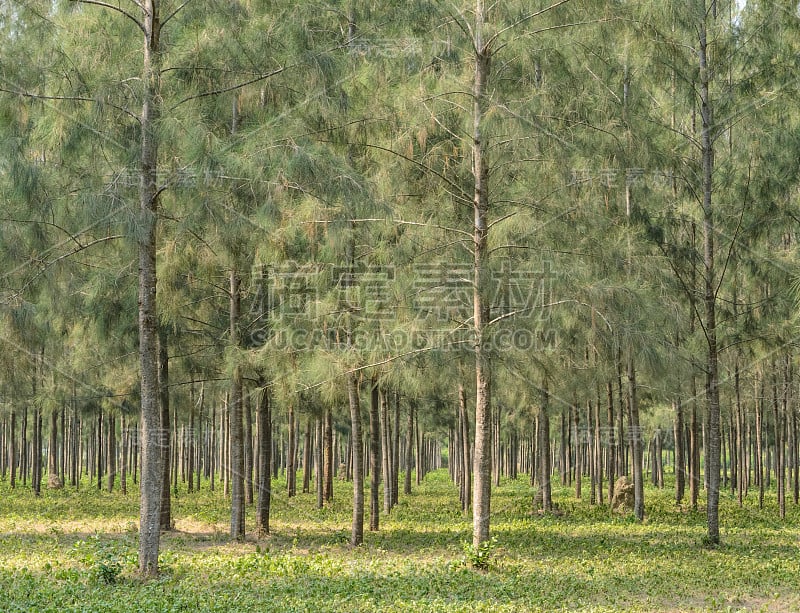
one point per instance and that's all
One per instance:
(710, 296)
(543, 449)
(111, 453)
(409, 455)
(466, 485)
(482, 472)
(356, 444)
(152, 437)
(264, 425)
(680, 460)
(374, 457)
(327, 456)
(291, 448)
(248, 450)
(635, 433)
(166, 449)
(386, 445)
(318, 461)
(236, 426)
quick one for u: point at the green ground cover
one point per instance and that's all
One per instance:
(76, 551)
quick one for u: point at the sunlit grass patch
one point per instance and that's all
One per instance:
(70, 551)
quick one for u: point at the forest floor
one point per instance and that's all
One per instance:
(76, 551)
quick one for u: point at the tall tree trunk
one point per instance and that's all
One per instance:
(760, 438)
(307, 456)
(264, 425)
(740, 448)
(543, 449)
(482, 472)
(12, 452)
(166, 448)
(111, 453)
(576, 415)
(466, 485)
(396, 451)
(236, 426)
(319, 462)
(36, 453)
(291, 450)
(680, 460)
(710, 298)
(409, 454)
(190, 441)
(386, 457)
(213, 466)
(327, 455)
(356, 444)
(562, 449)
(98, 462)
(374, 456)
(611, 441)
(635, 433)
(123, 473)
(248, 449)
(151, 434)
(54, 481)
(694, 450)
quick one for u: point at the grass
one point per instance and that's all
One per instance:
(76, 551)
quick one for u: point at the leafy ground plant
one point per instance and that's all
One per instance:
(75, 551)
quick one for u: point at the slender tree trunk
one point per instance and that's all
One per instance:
(576, 415)
(264, 425)
(357, 534)
(151, 434)
(386, 457)
(307, 456)
(396, 451)
(694, 450)
(12, 452)
(466, 485)
(54, 481)
(123, 474)
(212, 468)
(482, 472)
(236, 426)
(759, 439)
(190, 441)
(680, 461)
(248, 450)
(374, 457)
(543, 448)
(111, 454)
(740, 448)
(166, 449)
(291, 469)
(635, 433)
(327, 456)
(318, 461)
(611, 441)
(36, 453)
(98, 460)
(710, 298)
(409, 455)
(562, 449)
(198, 438)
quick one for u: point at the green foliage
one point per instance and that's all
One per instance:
(584, 560)
(479, 557)
(104, 559)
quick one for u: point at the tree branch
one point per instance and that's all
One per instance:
(118, 9)
(223, 90)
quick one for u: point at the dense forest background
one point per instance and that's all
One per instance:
(364, 239)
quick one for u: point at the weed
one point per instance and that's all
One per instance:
(479, 557)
